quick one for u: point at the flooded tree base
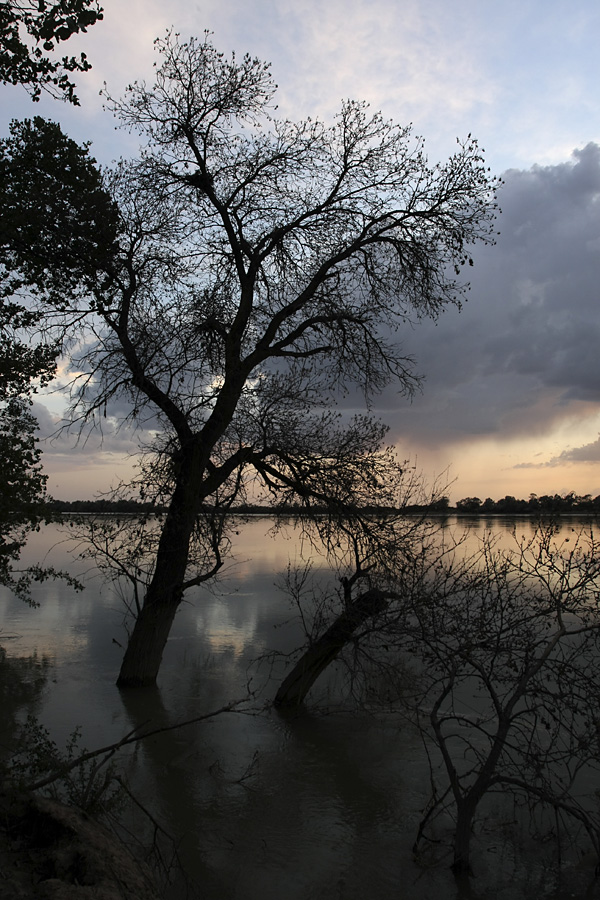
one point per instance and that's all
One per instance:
(313, 662)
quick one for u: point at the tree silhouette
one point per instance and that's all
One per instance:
(47, 24)
(493, 655)
(257, 271)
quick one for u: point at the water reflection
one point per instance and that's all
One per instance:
(262, 806)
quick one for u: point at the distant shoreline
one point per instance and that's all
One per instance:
(586, 507)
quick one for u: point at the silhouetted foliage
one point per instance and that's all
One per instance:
(23, 366)
(28, 351)
(22, 488)
(469, 504)
(46, 23)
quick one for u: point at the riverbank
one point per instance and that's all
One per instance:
(49, 851)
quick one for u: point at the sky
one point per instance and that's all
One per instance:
(510, 400)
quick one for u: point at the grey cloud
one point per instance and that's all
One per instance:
(99, 446)
(586, 453)
(523, 354)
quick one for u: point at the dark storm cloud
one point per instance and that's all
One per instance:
(523, 353)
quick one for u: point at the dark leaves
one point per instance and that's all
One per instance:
(20, 63)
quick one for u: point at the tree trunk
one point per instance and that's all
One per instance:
(146, 645)
(461, 864)
(467, 806)
(324, 650)
(147, 641)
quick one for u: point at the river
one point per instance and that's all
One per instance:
(261, 806)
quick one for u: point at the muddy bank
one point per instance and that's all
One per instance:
(49, 851)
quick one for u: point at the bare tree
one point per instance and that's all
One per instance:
(363, 602)
(494, 655)
(258, 270)
(510, 650)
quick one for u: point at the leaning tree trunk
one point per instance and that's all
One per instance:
(147, 641)
(324, 650)
(146, 644)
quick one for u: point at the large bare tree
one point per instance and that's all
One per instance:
(233, 282)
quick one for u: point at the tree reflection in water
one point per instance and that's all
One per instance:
(263, 806)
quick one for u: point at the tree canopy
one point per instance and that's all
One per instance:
(46, 25)
(25, 364)
(28, 357)
(234, 282)
(23, 367)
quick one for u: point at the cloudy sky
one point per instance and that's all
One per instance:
(511, 397)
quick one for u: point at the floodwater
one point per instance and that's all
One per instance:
(262, 806)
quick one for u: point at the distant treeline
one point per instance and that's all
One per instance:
(103, 506)
(548, 504)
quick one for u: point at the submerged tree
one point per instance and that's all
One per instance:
(257, 270)
(510, 645)
(365, 598)
(495, 656)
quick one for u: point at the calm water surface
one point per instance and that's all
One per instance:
(262, 806)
